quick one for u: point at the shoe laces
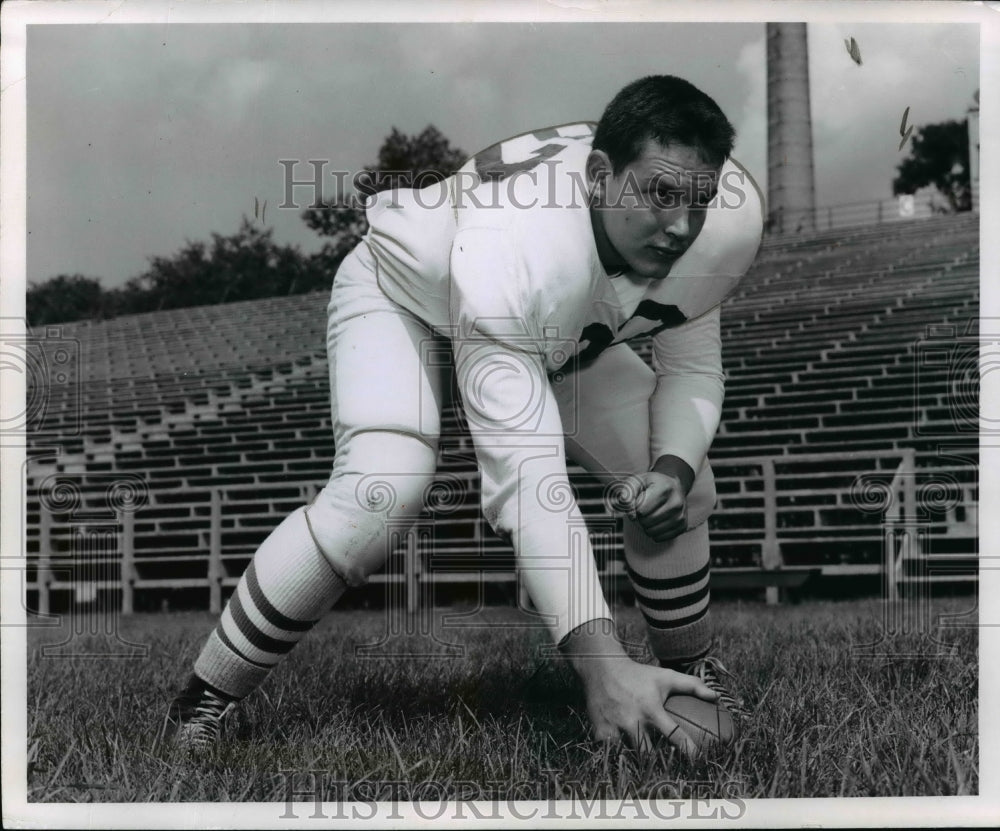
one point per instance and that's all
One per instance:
(200, 719)
(713, 673)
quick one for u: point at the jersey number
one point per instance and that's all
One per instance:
(490, 164)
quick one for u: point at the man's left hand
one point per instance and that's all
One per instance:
(659, 505)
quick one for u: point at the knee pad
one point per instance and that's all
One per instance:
(378, 486)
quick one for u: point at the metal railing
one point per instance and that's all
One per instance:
(855, 214)
(895, 505)
(886, 494)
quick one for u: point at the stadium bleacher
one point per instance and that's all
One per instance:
(856, 343)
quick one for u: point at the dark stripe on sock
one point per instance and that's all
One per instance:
(263, 642)
(663, 604)
(676, 623)
(272, 615)
(212, 689)
(663, 583)
(232, 648)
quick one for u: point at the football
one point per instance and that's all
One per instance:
(705, 722)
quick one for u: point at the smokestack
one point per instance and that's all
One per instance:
(791, 187)
(974, 151)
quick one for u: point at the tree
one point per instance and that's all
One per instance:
(428, 155)
(403, 161)
(64, 298)
(244, 266)
(939, 156)
(344, 223)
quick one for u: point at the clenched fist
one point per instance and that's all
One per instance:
(659, 505)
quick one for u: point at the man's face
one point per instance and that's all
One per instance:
(651, 212)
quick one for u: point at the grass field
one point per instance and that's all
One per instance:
(830, 716)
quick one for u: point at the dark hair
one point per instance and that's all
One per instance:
(669, 110)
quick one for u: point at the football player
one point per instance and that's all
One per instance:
(538, 260)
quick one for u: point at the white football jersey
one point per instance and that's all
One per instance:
(501, 258)
(528, 195)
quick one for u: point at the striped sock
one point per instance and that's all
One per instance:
(671, 588)
(287, 588)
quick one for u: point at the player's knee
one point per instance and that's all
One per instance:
(395, 470)
(382, 486)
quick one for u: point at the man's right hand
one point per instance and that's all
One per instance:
(625, 698)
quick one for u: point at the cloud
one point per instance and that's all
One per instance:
(856, 110)
(846, 98)
(238, 87)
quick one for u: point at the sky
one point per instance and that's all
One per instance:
(142, 137)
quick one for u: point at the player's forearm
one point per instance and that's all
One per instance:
(556, 564)
(527, 498)
(685, 412)
(686, 405)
